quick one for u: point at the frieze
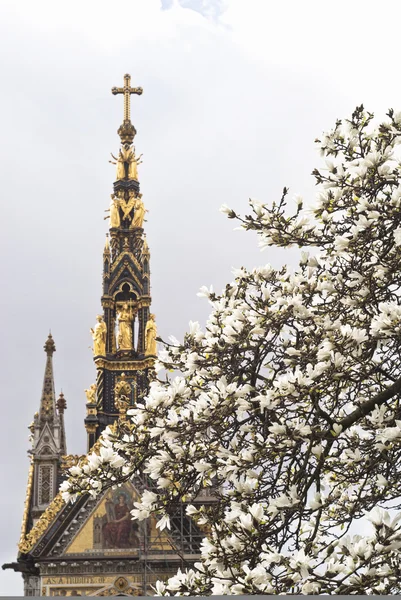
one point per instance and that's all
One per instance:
(91, 567)
(125, 366)
(143, 302)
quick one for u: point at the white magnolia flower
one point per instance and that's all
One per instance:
(160, 588)
(300, 562)
(163, 523)
(256, 511)
(75, 471)
(246, 522)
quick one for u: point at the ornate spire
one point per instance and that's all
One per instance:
(119, 344)
(47, 409)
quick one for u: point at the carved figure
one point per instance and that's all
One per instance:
(150, 336)
(139, 214)
(99, 334)
(114, 212)
(133, 163)
(91, 394)
(120, 162)
(125, 327)
(128, 206)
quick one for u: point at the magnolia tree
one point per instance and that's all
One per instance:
(287, 404)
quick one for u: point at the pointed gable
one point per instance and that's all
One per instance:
(109, 530)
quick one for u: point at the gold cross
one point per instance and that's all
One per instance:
(127, 90)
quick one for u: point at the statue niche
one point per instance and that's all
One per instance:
(125, 316)
(126, 309)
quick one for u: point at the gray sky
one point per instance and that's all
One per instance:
(235, 92)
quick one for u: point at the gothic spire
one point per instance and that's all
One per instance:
(48, 441)
(47, 409)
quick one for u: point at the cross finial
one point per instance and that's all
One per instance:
(127, 90)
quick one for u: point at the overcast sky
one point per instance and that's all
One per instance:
(235, 92)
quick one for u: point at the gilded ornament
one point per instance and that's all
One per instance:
(122, 395)
(91, 394)
(132, 365)
(127, 131)
(70, 460)
(42, 524)
(127, 90)
(27, 501)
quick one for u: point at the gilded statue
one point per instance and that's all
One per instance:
(139, 214)
(91, 394)
(114, 212)
(134, 161)
(150, 336)
(125, 317)
(99, 333)
(128, 205)
(120, 162)
(126, 156)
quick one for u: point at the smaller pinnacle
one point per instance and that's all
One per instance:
(49, 346)
(61, 403)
